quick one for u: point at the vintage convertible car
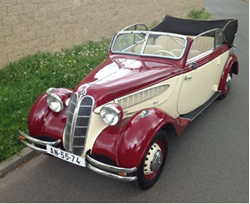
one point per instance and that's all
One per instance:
(116, 121)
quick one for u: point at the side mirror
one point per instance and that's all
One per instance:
(194, 65)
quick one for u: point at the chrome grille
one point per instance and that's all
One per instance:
(79, 114)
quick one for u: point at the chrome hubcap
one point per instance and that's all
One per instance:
(153, 159)
(229, 80)
(156, 161)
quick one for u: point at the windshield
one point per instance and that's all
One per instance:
(150, 43)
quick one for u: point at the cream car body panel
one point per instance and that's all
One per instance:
(96, 127)
(198, 85)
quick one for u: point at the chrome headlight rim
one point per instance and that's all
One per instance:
(60, 105)
(50, 90)
(117, 111)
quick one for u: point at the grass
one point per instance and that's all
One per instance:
(22, 82)
(202, 14)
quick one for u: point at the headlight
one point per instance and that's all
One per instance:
(54, 102)
(111, 114)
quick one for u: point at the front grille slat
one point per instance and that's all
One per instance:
(71, 108)
(78, 119)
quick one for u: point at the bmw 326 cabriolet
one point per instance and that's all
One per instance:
(116, 120)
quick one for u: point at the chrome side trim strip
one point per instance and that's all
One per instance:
(194, 59)
(104, 173)
(109, 167)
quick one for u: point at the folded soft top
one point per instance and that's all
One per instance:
(195, 27)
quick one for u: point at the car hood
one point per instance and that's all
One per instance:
(119, 76)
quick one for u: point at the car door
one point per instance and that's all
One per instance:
(205, 63)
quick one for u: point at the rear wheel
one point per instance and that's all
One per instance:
(151, 166)
(227, 86)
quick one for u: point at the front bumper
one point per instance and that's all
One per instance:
(124, 174)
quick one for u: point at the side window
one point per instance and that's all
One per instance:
(219, 39)
(202, 45)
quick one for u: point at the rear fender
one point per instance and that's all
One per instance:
(128, 142)
(232, 62)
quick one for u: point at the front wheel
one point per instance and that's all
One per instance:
(151, 166)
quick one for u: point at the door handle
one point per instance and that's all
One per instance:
(187, 78)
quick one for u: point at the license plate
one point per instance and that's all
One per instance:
(66, 156)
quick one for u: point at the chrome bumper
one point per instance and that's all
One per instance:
(124, 174)
(111, 171)
(34, 141)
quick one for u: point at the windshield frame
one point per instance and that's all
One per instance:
(147, 34)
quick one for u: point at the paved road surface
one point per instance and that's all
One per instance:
(208, 163)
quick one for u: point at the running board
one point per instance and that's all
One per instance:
(192, 115)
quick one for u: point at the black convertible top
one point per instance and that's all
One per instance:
(195, 27)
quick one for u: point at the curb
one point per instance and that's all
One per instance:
(16, 160)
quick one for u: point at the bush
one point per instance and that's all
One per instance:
(203, 14)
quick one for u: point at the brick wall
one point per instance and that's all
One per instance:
(28, 26)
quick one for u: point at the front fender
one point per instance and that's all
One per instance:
(232, 62)
(43, 121)
(128, 142)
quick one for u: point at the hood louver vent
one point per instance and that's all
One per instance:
(141, 96)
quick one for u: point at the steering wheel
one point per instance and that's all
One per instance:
(168, 52)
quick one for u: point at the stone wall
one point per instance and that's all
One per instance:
(28, 26)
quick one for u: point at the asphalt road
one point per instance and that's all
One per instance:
(209, 162)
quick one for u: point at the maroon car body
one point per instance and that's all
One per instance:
(115, 121)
